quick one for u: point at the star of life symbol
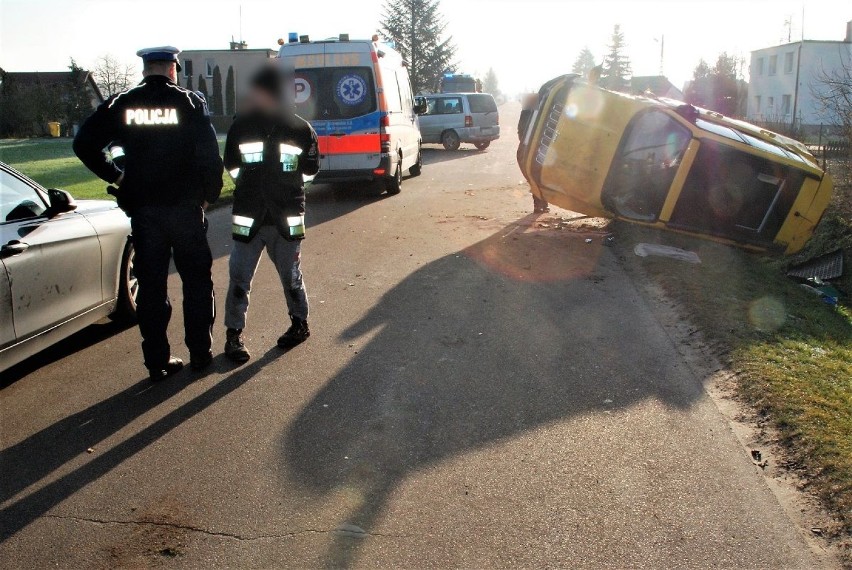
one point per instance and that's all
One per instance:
(351, 89)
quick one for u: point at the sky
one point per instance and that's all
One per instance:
(527, 42)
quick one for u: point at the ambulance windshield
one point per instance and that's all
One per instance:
(335, 93)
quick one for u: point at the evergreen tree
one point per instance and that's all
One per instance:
(230, 93)
(202, 85)
(189, 83)
(718, 88)
(490, 84)
(616, 69)
(584, 63)
(417, 27)
(78, 103)
(215, 103)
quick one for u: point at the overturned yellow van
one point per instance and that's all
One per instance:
(667, 164)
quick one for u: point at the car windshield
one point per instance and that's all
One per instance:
(645, 166)
(335, 93)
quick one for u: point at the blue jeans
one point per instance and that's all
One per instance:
(286, 255)
(160, 232)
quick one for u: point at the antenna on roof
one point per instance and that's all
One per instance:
(241, 23)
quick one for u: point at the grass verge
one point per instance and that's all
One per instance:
(52, 163)
(792, 354)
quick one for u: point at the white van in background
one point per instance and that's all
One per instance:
(357, 96)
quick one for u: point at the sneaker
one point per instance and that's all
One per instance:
(234, 347)
(295, 335)
(173, 366)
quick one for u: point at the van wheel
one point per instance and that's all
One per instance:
(128, 288)
(393, 186)
(482, 145)
(417, 169)
(451, 140)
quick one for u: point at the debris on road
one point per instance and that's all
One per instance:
(825, 267)
(650, 249)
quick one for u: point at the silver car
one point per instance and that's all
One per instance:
(63, 265)
(454, 118)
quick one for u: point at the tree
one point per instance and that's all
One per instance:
(832, 90)
(490, 84)
(78, 100)
(189, 83)
(230, 93)
(584, 63)
(202, 85)
(112, 76)
(616, 67)
(417, 27)
(718, 88)
(215, 103)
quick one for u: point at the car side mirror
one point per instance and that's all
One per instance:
(60, 203)
(421, 107)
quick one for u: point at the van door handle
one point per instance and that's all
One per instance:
(14, 247)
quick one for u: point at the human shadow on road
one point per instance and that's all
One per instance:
(514, 332)
(35, 458)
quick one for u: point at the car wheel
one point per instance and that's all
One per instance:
(128, 287)
(393, 185)
(417, 169)
(451, 140)
(482, 145)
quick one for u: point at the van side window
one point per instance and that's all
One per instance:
(393, 97)
(405, 91)
(737, 195)
(445, 106)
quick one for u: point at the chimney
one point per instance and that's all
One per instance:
(849, 32)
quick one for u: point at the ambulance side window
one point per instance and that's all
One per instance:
(393, 95)
(405, 92)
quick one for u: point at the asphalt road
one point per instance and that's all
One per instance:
(478, 391)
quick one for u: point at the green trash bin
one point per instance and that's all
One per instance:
(53, 126)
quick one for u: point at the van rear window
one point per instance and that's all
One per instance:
(335, 93)
(482, 103)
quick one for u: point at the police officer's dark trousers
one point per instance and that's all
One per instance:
(158, 233)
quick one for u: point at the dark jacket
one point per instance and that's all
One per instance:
(171, 152)
(266, 193)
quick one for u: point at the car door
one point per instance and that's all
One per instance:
(7, 328)
(53, 264)
(411, 126)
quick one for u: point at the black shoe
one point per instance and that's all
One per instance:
(199, 362)
(295, 335)
(173, 366)
(234, 347)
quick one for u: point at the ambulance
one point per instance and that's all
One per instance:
(357, 95)
(667, 164)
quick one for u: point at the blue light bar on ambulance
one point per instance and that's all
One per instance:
(293, 37)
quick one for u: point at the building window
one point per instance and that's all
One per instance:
(760, 66)
(210, 66)
(786, 104)
(770, 105)
(757, 104)
(773, 64)
(788, 62)
(187, 68)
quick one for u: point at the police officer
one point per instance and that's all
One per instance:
(172, 171)
(269, 151)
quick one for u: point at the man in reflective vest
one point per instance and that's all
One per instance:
(269, 152)
(166, 168)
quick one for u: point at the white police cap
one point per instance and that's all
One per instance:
(161, 53)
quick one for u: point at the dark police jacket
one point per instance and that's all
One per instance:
(171, 152)
(266, 193)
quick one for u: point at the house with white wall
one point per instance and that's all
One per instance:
(783, 80)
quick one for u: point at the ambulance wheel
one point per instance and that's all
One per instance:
(482, 145)
(393, 185)
(417, 169)
(450, 140)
